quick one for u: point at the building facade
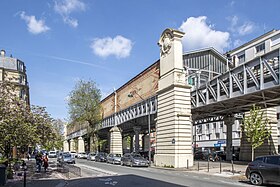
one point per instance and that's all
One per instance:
(13, 70)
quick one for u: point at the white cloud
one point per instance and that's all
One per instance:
(241, 29)
(66, 7)
(200, 35)
(246, 28)
(237, 43)
(118, 46)
(34, 26)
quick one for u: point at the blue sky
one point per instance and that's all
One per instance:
(111, 41)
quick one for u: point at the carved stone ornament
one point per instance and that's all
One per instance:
(165, 42)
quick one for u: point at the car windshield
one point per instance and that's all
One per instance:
(118, 155)
(137, 156)
(52, 152)
(67, 155)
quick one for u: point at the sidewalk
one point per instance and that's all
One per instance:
(50, 178)
(223, 169)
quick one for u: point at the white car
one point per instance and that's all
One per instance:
(52, 154)
(91, 156)
(82, 155)
(74, 154)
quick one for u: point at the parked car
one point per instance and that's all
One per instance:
(100, 157)
(264, 170)
(82, 155)
(91, 156)
(52, 154)
(219, 155)
(74, 153)
(145, 154)
(68, 158)
(201, 155)
(114, 158)
(134, 159)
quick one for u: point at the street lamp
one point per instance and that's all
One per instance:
(149, 122)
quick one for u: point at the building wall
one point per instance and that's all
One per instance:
(271, 41)
(143, 86)
(14, 71)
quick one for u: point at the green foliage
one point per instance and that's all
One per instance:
(22, 125)
(256, 128)
(84, 103)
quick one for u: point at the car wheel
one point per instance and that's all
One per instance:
(256, 179)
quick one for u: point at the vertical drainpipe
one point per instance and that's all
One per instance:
(115, 107)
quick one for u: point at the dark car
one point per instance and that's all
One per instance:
(145, 154)
(114, 158)
(101, 157)
(219, 155)
(134, 160)
(202, 155)
(264, 169)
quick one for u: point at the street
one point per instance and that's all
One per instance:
(103, 174)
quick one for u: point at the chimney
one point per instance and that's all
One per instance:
(3, 53)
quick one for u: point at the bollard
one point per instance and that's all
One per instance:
(24, 174)
(187, 164)
(232, 167)
(208, 165)
(220, 165)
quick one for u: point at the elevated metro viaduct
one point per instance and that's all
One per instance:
(162, 97)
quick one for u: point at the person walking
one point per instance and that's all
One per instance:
(38, 159)
(45, 162)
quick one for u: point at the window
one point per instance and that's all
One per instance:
(273, 160)
(260, 47)
(241, 58)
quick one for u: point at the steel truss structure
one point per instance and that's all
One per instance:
(254, 82)
(143, 108)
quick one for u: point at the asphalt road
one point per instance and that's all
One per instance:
(103, 174)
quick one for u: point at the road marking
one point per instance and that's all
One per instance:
(234, 183)
(109, 181)
(98, 169)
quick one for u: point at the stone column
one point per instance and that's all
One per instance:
(146, 142)
(115, 140)
(66, 146)
(174, 124)
(81, 145)
(131, 142)
(137, 132)
(229, 121)
(72, 145)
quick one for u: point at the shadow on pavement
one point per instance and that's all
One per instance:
(122, 180)
(248, 182)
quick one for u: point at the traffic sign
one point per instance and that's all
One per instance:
(217, 145)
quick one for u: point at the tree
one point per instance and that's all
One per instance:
(84, 103)
(21, 125)
(256, 128)
(84, 106)
(16, 118)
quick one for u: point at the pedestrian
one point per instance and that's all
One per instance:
(28, 156)
(45, 162)
(38, 159)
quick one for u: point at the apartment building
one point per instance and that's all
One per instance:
(13, 70)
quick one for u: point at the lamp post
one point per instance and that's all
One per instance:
(149, 122)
